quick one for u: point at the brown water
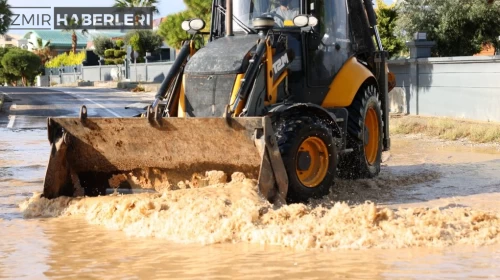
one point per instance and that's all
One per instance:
(432, 214)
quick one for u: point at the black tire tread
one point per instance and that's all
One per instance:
(287, 129)
(351, 165)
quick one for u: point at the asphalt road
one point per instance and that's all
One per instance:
(30, 106)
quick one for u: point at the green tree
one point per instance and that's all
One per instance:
(386, 18)
(5, 16)
(137, 4)
(171, 28)
(22, 63)
(5, 76)
(200, 8)
(102, 43)
(460, 28)
(44, 51)
(72, 26)
(143, 41)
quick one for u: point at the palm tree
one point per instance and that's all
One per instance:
(72, 27)
(5, 16)
(137, 4)
(44, 51)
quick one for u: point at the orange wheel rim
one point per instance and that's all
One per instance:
(318, 166)
(372, 125)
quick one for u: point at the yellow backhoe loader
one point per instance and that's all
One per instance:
(293, 93)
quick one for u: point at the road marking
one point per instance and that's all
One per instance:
(12, 118)
(11, 121)
(108, 110)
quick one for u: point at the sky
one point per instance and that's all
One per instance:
(165, 7)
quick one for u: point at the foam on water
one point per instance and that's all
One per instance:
(234, 212)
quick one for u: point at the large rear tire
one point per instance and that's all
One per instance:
(309, 154)
(365, 136)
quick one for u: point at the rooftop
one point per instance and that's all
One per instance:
(158, 21)
(10, 35)
(58, 37)
(61, 39)
(110, 34)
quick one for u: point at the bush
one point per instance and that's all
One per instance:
(66, 60)
(120, 53)
(140, 59)
(101, 44)
(23, 64)
(144, 41)
(109, 53)
(119, 43)
(113, 61)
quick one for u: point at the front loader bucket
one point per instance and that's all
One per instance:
(87, 154)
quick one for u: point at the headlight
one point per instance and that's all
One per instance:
(305, 20)
(301, 20)
(196, 24)
(313, 21)
(185, 25)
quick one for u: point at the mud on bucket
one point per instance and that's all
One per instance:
(90, 156)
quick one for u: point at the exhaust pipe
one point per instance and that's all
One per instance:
(229, 18)
(372, 17)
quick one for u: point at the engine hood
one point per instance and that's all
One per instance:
(222, 56)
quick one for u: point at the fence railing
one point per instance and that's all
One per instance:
(63, 69)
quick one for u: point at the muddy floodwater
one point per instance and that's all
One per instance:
(433, 213)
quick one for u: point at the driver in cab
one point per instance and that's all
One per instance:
(283, 14)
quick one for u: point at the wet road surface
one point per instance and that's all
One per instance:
(23, 138)
(30, 107)
(418, 173)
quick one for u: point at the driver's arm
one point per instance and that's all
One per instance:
(277, 15)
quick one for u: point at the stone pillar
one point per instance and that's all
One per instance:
(412, 98)
(420, 47)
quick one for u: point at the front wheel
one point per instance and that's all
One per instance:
(309, 154)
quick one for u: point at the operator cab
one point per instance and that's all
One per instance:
(325, 50)
(283, 12)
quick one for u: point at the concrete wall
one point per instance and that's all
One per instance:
(102, 73)
(149, 72)
(143, 72)
(42, 81)
(64, 78)
(460, 87)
